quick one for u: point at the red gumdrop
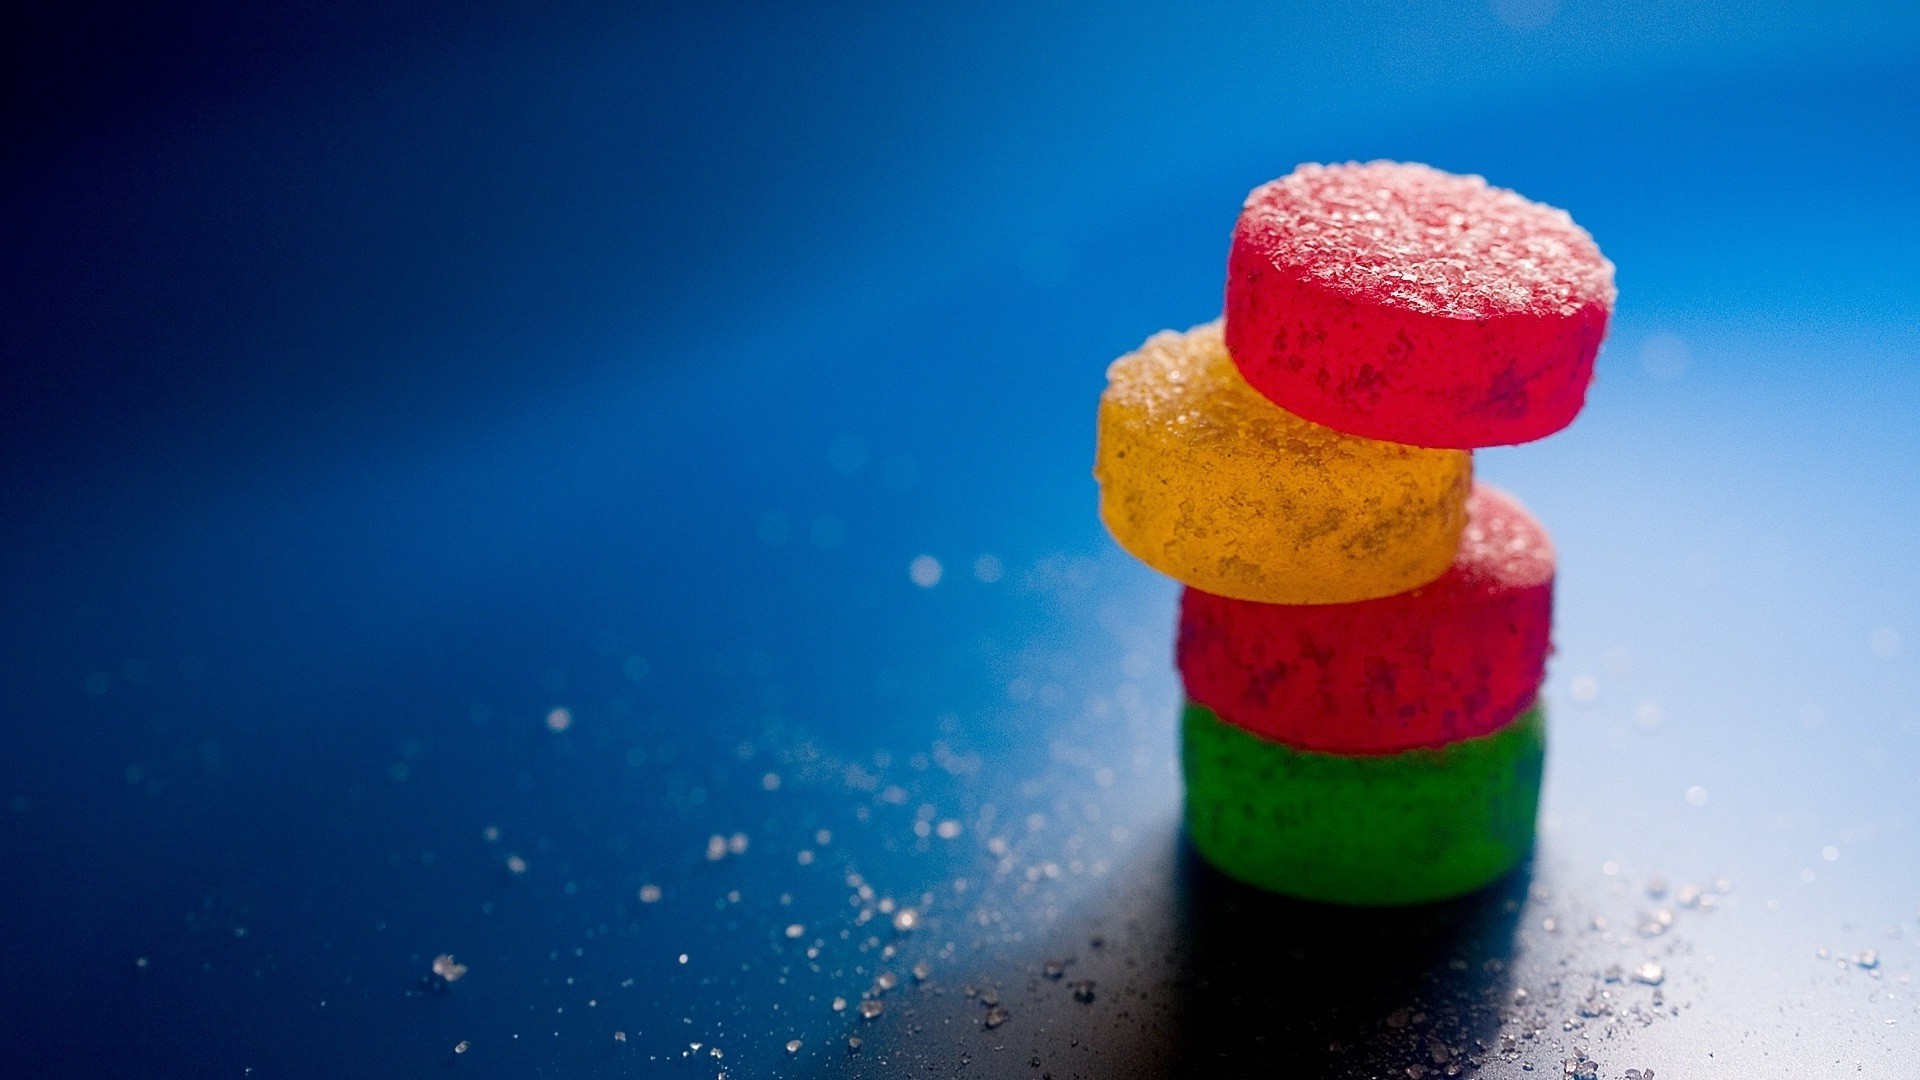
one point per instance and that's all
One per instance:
(1402, 303)
(1455, 659)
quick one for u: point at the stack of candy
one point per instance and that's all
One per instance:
(1364, 630)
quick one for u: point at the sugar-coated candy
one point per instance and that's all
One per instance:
(1450, 660)
(1403, 828)
(1208, 482)
(1401, 302)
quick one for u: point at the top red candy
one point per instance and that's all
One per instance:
(1403, 303)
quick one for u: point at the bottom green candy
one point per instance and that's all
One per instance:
(1401, 828)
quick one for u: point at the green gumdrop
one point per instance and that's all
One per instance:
(1404, 828)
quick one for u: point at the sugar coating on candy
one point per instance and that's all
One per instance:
(1405, 828)
(1401, 302)
(1210, 483)
(1418, 239)
(1453, 659)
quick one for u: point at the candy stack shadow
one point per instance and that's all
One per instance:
(1364, 631)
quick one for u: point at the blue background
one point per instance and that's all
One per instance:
(377, 381)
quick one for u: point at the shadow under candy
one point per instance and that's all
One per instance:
(1264, 983)
(1175, 970)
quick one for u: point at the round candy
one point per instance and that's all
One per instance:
(1206, 481)
(1400, 302)
(1450, 660)
(1401, 828)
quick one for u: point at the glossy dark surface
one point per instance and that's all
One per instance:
(360, 412)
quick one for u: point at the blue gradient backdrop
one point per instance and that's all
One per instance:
(374, 383)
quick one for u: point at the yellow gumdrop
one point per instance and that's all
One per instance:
(1207, 481)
